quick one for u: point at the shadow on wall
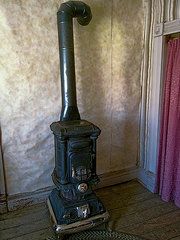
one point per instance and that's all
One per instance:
(108, 63)
(3, 190)
(127, 47)
(93, 73)
(90, 53)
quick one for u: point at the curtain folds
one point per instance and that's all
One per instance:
(168, 172)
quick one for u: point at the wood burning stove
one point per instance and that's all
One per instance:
(73, 205)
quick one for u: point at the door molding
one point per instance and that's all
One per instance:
(152, 95)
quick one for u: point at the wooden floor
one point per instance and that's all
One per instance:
(133, 209)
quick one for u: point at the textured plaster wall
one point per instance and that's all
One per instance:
(108, 60)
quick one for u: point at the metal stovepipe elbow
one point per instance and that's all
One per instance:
(65, 14)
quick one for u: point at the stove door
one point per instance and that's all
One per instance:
(80, 167)
(81, 160)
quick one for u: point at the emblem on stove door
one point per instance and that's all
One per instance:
(81, 173)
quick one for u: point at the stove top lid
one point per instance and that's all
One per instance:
(76, 127)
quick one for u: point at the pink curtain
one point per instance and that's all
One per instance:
(168, 174)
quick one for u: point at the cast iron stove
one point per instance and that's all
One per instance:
(73, 205)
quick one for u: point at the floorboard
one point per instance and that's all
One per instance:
(132, 208)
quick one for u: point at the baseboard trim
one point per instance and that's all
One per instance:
(147, 179)
(20, 201)
(112, 178)
(3, 204)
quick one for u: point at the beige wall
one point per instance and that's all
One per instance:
(108, 60)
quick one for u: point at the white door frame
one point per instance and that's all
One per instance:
(148, 169)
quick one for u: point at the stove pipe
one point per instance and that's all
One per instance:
(65, 15)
